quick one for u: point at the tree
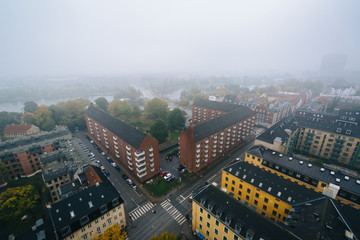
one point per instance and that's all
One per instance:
(176, 119)
(156, 109)
(29, 119)
(164, 236)
(9, 118)
(159, 131)
(43, 117)
(30, 106)
(102, 103)
(136, 111)
(118, 108)
(17, 202)
(4, 174)
(112, 233)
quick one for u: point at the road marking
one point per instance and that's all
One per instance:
(140, 210)
(173, 212)
(187, 197)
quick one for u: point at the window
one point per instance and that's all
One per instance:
(256, 195)
(276, 205)
(233, 182)
(201, 218)
(236, 237)
(201, 210)
(226, 230)
(240, 186)
(226, 179)
(247, 197)
(274, 213)
(104, 225)
(200, 226)
(97, 220)
(216, 232)
(264, 207)
(266, 200)
(98, 229)
(224, 238)
(208, 224)
(207, 232)
(216, 222)
(239, 193)
(255, 202)
(208, 216)
(248, 190)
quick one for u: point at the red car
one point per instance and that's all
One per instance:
(163, 174)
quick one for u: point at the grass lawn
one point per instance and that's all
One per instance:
(18, 226)
(160, 186)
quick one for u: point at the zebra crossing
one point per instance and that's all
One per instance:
(174, 213)
(139, 211)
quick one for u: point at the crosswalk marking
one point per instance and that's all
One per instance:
(141, 210)
(173, 212)
(183, 198)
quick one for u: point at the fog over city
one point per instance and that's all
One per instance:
(197, 37)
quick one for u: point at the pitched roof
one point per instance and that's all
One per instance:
(215, 125)
(280, 130)
(243, 217)
(221, 106)
(272, 184)
(17, 128)
(128, 133)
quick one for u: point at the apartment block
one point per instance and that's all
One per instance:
(88, 212)
(216, 215)
(135, 150)
(333, 183)
(264, 192)
(336, 138)
(20, 130)
(21, 156)
(281, 137)
(207, 141)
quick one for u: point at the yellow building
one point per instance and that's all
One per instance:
(266, 193)
(334, 184)
(88, 212)
(218, 216)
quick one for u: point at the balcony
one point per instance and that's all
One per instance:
(151, 159)
(129, 158)
(151, 155)
(130, 163)
(339, 145)
(140, 159)
(115, 142)
(139, 170)
(340, 140)
(206, 151)
(336, 150)
(197, 155)
(151, 149)
(130, 167)
(128, 153)
(107, 146)
(152, 164)
(117, 155)
(128, 147)
(197, 161)
(197, 165)
(115, 138)
(335, 154)
(197, 145)
(117, 151)
(206, 155)
(215, 137)
(106, 142)
(214, 155)
(141, 175)
(139, 153)
(310, 134)
(307, 142)
(198, 151)
(309, 138)
(207, 141)
(140, 164)
(116, 147)
(152, 169)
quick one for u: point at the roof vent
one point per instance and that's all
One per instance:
(337, 180)
(279, 194)
(280, 155)
(57, 210)
(260, 184)
(322, 169)
(69, 204)
(273, 153)
(301, 162)
(289, 199)
(230, 169)
(290, 158)
(347, 178)
(348, 132)
(244, 176)
(252, 180)
(332, 172)
(80, 199)
(102, 196)
(338, 130)
(90, 204)
(72, 214)
(310, 165)
(269, 189)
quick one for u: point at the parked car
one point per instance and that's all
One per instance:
(162, 174)
(168, 177)
(133, 185)
(106, 173)
(125, 177)
(102, 153)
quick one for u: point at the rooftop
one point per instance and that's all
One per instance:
(238, 215)
(17, 128)
(283, 189)
(128, 133)
(281, 130)
(215, 125)
(71, 213)
(305, 167)
(221, 106)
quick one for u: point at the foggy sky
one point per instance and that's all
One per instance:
(193, 36)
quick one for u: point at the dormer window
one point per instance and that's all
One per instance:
(338, 130)
(84, 220)
(202, 201)
(228, 220)
(103, 209)
(115, 202)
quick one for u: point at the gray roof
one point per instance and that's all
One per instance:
(221, 106)
(128, 133)
(279, 130)
(215, 125)
(272, 184)
(240, 215)
(80, 205)
(69, 187)
(320, 173)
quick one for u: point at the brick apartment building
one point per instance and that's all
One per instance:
(135, 150)
(205, 142)
(21, 156)
(20, 130)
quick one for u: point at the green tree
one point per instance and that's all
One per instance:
(136, 111)
(102, 103)
(29, 119)
(30, 106)
(118, 108)
(156, 109)
(9, 118)
(164, 236)
(43, 117)
(74, 111)
(176, 119)
(4, 174)
(112, 233)
(159, 130)
(17, 202)
(57, 113)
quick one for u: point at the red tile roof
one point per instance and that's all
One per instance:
(17, 128)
